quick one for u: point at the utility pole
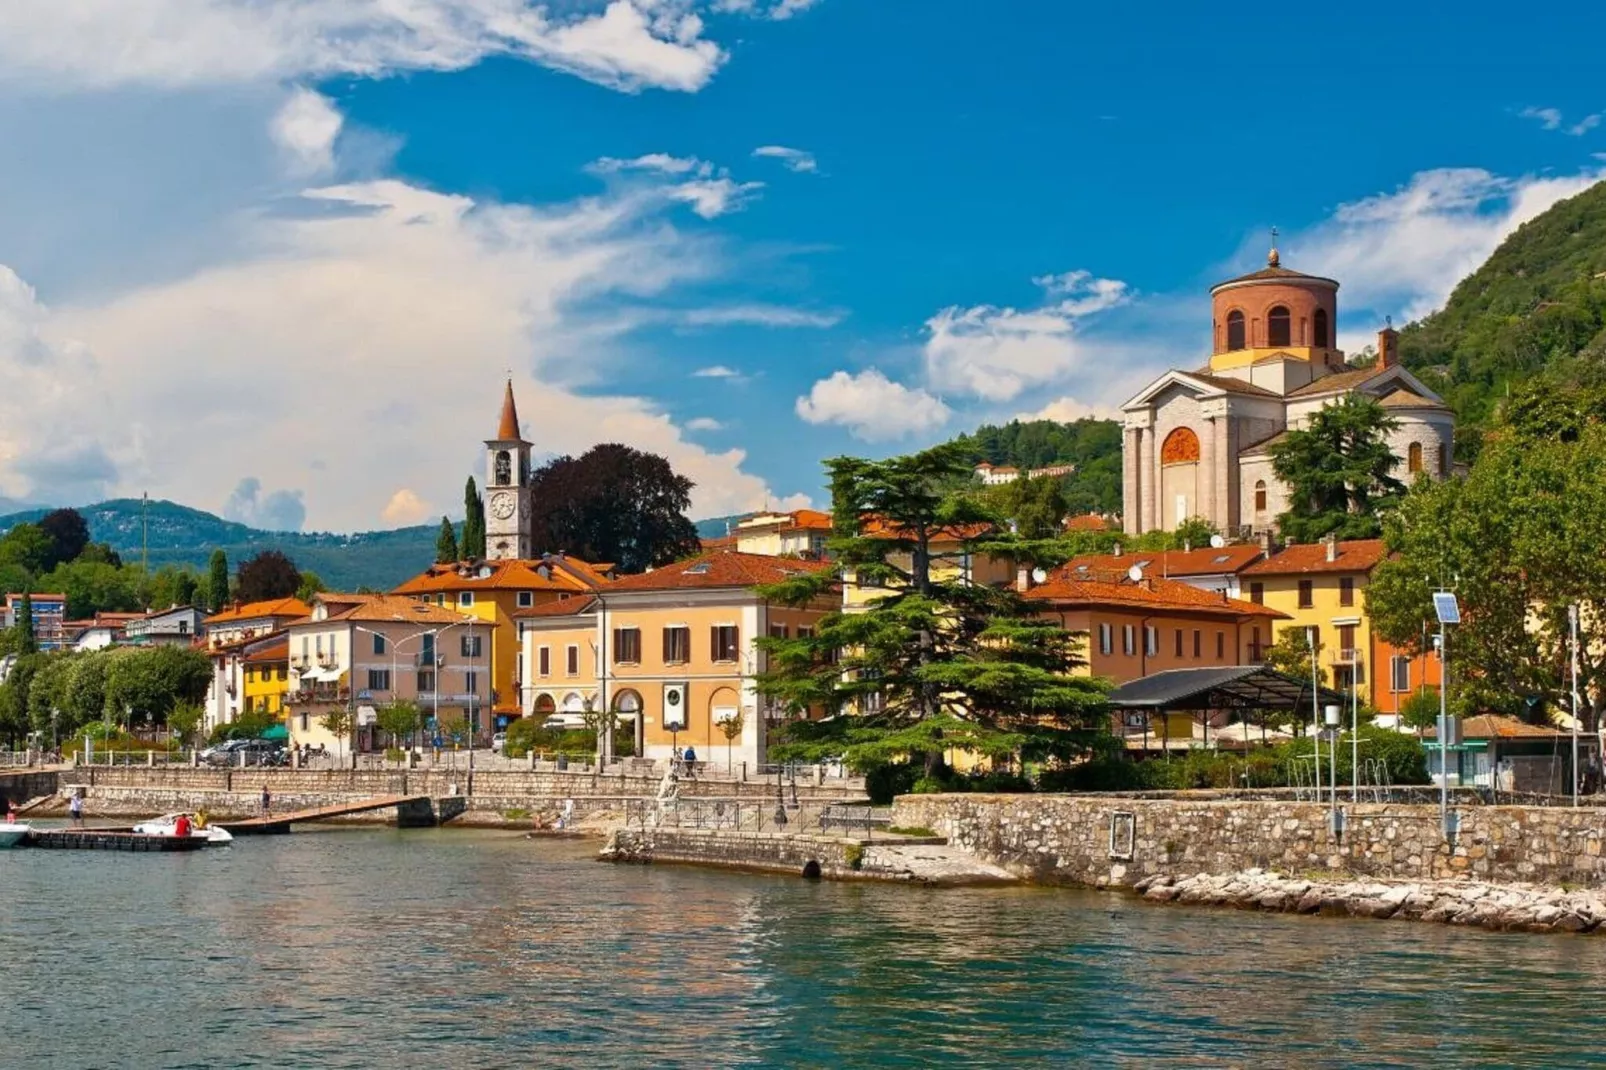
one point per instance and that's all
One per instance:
(1315, 711)
(1572, 628)
(144, 534)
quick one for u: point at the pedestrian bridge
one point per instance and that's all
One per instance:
(412, 811)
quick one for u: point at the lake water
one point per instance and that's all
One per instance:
(453, 948)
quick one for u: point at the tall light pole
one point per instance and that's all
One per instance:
(1448, 611)
(1315, 711)
(395, 663)
(1572, 628)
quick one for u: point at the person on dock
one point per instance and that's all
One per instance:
(75, 808)
(11, 812)
(181, 826)
(267, 801)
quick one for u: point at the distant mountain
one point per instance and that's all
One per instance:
(181, 535)
(718, 526)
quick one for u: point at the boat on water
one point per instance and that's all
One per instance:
(167, 825)
(13, 833)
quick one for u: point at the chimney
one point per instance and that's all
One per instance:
(1332, 547)
(1116, 552)
(1388, 346)
(1023, 578)
(1265, 542)
(1187, 546)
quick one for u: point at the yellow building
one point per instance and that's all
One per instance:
(1322, 586)
(495, 592)
(265, 672)
(671, 651)
(800, 533)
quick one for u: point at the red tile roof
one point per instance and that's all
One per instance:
(1499, 726)
(562, 607)
(1066, 589)
(389, 609)
(874, 527)
(507, 429)
(1087, 522)
(274, 650)
(722, 568)
(719, 542)
(1354, 555)
(1207, 561)
(277, 607)
(562, 573)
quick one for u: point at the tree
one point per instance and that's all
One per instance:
(614, 504)
(94, 587)
(268, 575)
(68, 535)
(86, 692)
(310, 585)
(217, 582)
(446, 544)
(184, 719)
(337, 722)
(1420, 709)
(731, 728)
(936, 662)
(172, 585)
(1193, 533)
(1338, 472)
(28, 548)
(48, 694)
(400, 720)
(143, 684)
(473, 545)
(1037, 506)
(27, 643)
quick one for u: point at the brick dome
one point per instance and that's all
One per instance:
(1273, 308)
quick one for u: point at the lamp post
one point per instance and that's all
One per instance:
(395, 663)
(1448, 611)
(1315, 712)
(1572, 633)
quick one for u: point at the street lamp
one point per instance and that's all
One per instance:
(1448, 611)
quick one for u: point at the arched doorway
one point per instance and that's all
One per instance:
(627, 704)
(544, 707)
(1179, 477)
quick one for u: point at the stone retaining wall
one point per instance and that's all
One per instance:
(1067, 838)
(21, 786)
(774, 852)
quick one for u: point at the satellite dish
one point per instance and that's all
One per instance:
(1039, 575)
(485, 572)
(1217, 541)
(1135, 573)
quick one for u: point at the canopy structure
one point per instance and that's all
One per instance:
(1233, 687)
(273, 732)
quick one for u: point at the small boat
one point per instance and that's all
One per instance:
(13, 833)
(167, 823)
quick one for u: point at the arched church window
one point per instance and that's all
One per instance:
(1413, 462)
(1181, 446)
(1235, 330)
(504, 468)
(1260, 495)
(1319, 323)
(1277, 326)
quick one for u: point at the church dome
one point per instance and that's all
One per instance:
(1273, 310)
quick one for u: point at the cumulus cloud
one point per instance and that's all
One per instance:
(779, 11)
(717, 371)
(713, 197)
(1552, 119)
(871, 406)
(657, 162)
(404, 508)
(306, 128)
(996, 353)
(98, 44)
(279, 510)
(704, 423)
(794, 159)
(1068, 410)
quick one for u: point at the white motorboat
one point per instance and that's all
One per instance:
(13, 833)
(167, 825)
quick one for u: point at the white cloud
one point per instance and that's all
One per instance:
(279, 510)
(1552, 119)
(794, 159)
(98, 44)
(306, 128)
(717, 371)
(1584, 125)
(871, 406)
(779, 11)
(757, 316)
(710, 191)
(996, 353)
(704, 423)
(658, 162)
(406, 508)
(1068, 410)
(714, 197)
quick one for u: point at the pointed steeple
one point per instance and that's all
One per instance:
(508, 430)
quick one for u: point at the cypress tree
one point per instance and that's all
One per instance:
(473, 542)
(26, 642)
(446, 544)
(217, 584)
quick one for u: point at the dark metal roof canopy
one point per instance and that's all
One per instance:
(1234, 687)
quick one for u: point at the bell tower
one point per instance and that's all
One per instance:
(507, 488)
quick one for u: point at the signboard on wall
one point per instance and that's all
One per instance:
(675, 707)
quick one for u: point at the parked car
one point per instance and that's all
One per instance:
(223, 753)
(498, 742)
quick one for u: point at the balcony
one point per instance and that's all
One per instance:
(318, 693)
(1344, 655)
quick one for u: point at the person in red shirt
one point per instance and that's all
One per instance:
(181, 827)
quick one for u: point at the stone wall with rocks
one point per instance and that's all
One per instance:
(1117, 842)
(19, 787)
(771, 852)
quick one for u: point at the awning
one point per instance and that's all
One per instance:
(274, 732)
(1234, 687)
(320, 676)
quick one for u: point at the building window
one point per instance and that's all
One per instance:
(426, 681)
(1129, 640)
(1305, 598)
(471, 645)
(1151, 640)
(1399, 674)
(1320, 323)
(1260, 495)
(1254, 643)
(379, 679)
(1221, 646)
(723, 640)
(1257, 593)
(1277, 327)
(471, 682)
(426, 648)
(677, 645)
(1179, 642)
(1235, 330)
(779, 631)
(805, 632)
(284, 673)
(465, 598)
(1346, 642)
(627, 646)
(1413, 462)
(379, 644)
(543, 661)
(1196, 640)
(526, 599)
(1106, 638)
(571, 660)
(504, 468)
(1346, 591)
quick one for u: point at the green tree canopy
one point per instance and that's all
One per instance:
(615, 504)
(68, 535)
(1037, 506)
(145, 683)
(217, 581)
(1337, 470)
(446, 544)
(266, 576)
(473, 541)
(28, 548)
(310, 584)
(94, 587)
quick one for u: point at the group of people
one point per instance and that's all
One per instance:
(686, 761)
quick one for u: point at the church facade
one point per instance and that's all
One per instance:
(1197, 443)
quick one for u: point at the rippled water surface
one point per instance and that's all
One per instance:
(462, 949)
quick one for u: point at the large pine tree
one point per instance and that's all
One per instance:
(472, 544)
(1338, 471)
(446, 544)
(217, 582)
(27, 642)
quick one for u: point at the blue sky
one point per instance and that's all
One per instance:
(274, 260)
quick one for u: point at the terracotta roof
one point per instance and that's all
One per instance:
(275, 649)
(507, 429)
(813, 519)
(1087, 522)
(277, 607)
(563, 607)
(722, 568)
(1338, 381)
(1205, 561)
(1231, 385)
(389, 609)
(1354, 555)
(875, 528)
(562, 574)
(1409, 399)
(1499, 726)
(1274, 272)
(1113, 588)
(718, 542)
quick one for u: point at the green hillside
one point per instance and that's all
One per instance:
(1094, 446)
(181, 535)
(1540, 298)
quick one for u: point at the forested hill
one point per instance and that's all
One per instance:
(181, 535)
(1540, 298)
(1094, 446)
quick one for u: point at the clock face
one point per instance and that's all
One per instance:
(502, 505)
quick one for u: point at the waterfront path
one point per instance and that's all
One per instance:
(406, 806)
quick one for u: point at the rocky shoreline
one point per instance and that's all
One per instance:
(1501, 907)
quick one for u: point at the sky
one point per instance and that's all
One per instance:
(275, 260)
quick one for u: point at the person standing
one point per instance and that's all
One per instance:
(267, 800)
(75, 808)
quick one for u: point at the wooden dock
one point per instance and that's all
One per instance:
(273, 824)
(108, 840)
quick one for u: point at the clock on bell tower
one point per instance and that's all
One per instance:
(507, 488)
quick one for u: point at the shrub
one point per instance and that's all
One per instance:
(884, 782)
(395, 754)
(999, 783)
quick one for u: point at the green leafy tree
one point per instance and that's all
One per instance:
(310, 585)
(14, 693)
(337, 722)
(28, 548)
(27, 641)
(94, 587)
(1093, 446)
(935, 662)
(266, 576)
(143, 684)
(614, 504)
(1420, 709)
(49, 691)
(1338, 471)
(184, 720)
(68, 535)
(731, 728)
(1194, 532)
(171, 585)
(86, 691)
(400, 720)
(217, 582)
(473, 543)
(1037, 506)
(446, 544)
